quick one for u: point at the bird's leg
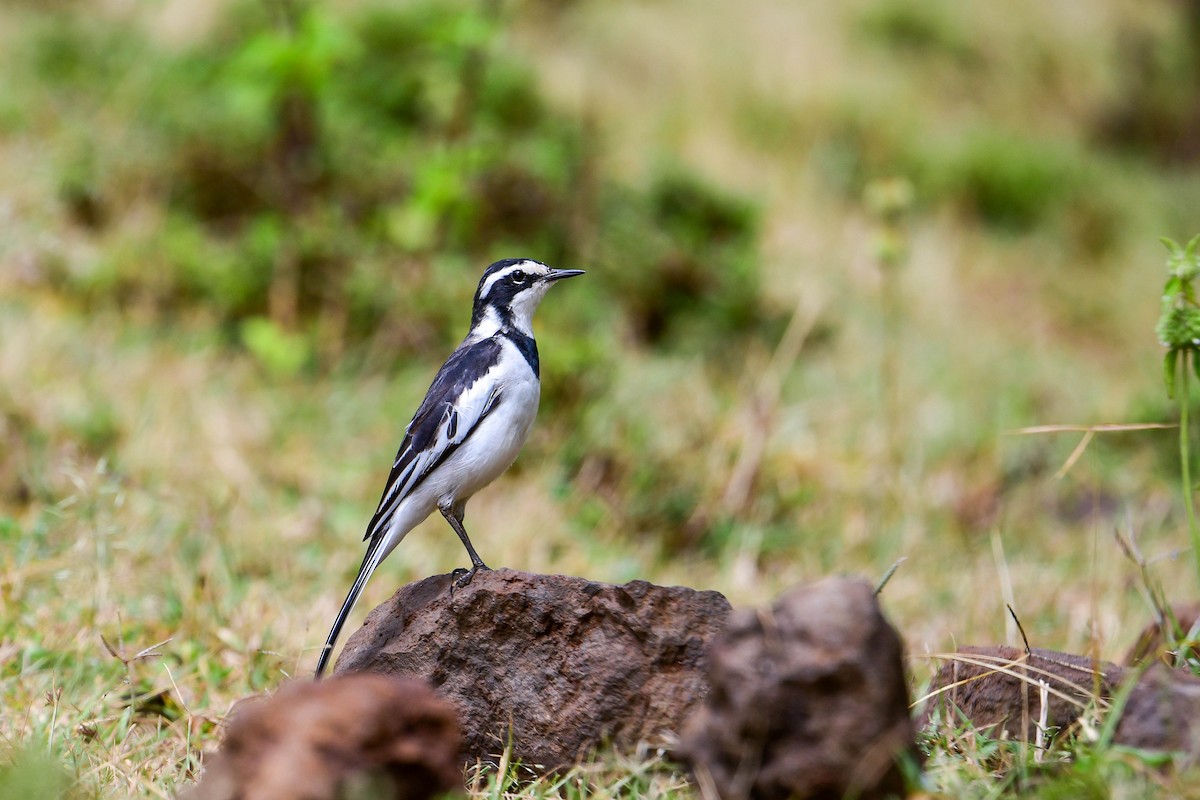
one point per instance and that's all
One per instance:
(454, 515)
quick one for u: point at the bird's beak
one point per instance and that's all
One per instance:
(559, 274)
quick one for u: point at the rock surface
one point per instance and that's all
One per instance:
(564, 663)
(1151, 645)
(996, 689)
(1163, 713)
(808, 700)
(362, 736)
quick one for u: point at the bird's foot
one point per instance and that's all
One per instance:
(462, 577)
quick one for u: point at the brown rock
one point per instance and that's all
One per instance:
(360, 736)
(997, 688)
(808, 700)
(565, 663)
(1163, 713)
(1151, 645)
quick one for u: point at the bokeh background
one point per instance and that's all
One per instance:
(838, 254)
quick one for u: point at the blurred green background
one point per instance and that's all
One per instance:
(837, 254)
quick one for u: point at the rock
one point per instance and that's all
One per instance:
(359, 736)
(565, 663)
(1151, 645)
(997, 688)
(1163, 713)
(808, 700)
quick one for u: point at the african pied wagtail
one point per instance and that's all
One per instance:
(470, 425)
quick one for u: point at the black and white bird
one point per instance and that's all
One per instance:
(471, 424)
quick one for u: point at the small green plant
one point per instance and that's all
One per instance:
(1179, 331)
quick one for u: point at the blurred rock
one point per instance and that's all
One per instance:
(352, 737)
(1163, 713)
(997, 688)
(1152, 646)
(999, 693)
(565, 663)
(808, 700)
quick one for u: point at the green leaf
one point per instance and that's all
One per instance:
(1189, 250)
(1169, 365)
(1179, 327)
(1183, 261)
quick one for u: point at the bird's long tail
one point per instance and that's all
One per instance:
(375, 554)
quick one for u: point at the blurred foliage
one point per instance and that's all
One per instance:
(35, 775)
(323, 184)
(1024, 176)
(280, 352)
(1012, 181)
(684, 261)
(326, 185)
(341, 176)
(927, 29)
(1157, 111)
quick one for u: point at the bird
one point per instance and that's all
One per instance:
(470, 426)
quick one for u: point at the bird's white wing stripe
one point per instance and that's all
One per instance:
(457, 424)
(390, 497)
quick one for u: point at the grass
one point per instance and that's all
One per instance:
(180, 514)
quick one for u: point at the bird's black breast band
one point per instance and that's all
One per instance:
(527, 348)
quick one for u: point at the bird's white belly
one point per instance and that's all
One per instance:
(492, 447)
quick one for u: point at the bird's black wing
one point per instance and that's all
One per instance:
(459, 398)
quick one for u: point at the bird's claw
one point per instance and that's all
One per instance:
(462, 577)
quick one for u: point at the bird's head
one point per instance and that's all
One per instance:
(509, 293)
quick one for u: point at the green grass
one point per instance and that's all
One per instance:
(185, 468)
